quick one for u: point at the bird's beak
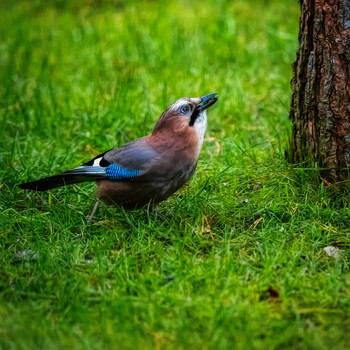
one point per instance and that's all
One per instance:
(206, 101)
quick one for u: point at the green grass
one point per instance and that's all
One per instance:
(202, 272)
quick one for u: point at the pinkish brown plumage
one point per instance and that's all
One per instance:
(149, 169)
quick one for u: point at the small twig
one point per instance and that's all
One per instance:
(256, 222)
(208, 226)
(93, 212)
(325, 181)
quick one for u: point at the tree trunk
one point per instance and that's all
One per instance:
(320, 105)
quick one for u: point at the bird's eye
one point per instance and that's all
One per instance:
(185, 109)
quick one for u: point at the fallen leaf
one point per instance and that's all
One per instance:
(332, 252)
(295, 208)
(27, 254)
(325, 227)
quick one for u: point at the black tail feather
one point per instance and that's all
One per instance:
(73, 176)
(51, 182)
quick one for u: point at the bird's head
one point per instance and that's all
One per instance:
(186, 115)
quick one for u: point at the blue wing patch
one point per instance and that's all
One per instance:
(116, 172)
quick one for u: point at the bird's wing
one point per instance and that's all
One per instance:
(124, 163)
(136, 155)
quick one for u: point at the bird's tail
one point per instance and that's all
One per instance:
(73, 176)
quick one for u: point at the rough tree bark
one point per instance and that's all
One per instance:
(320, 105)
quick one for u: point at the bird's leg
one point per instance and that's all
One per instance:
(93, 212)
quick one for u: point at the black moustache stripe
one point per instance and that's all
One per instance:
(194, 117)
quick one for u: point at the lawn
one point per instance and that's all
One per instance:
(235, 259)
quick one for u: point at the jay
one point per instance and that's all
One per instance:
(148, 169)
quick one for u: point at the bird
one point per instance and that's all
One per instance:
(148, 169)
